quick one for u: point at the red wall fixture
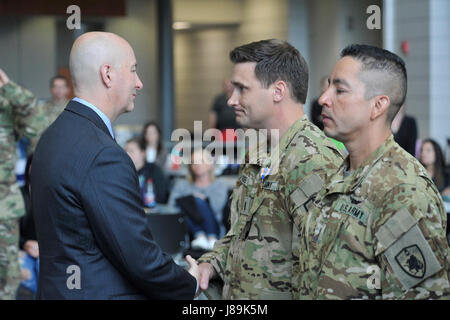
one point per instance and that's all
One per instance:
(405, 47)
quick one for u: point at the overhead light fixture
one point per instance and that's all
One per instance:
(181, 25)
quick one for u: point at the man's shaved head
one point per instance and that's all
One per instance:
(382, 72)
(90, 51)
(103, 68)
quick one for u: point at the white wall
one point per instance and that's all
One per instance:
(323, 41)
(201, 55)
(207, 11)
(139, 28)
(354, 12)
(201, 65)
(298, 35)
(28, 51)
(440, 71)
(330, 32)
(412, 24)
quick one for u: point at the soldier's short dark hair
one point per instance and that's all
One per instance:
(394, 83)
(58, 77)
(276, 60)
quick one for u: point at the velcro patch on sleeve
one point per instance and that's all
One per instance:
(395, 227)
(307, 188)
(411, 258)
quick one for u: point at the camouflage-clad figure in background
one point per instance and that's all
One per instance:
(18, 117)
(50, 109)
(377, 228)
(53, 107)
(256, 257)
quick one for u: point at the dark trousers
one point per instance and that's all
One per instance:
(209, 226)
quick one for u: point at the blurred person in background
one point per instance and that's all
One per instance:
(153, 183)
(154, 150)
(204, 216)
(59, 89)
(404, 129)
(432, 159)
(221, 116)
(19, 117)
(316, 108)
(29, 254)
(50, 110)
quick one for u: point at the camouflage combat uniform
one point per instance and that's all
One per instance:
(377, 233)
(52, 110)
(49, 111)
(18, 117)
(255, 259)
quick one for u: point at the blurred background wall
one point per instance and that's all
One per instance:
(34, 47)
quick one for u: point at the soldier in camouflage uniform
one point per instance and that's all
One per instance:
(52, 108)
(256, 257)
(377, 228)
(18, 117)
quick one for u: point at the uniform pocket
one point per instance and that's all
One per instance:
(275, 295)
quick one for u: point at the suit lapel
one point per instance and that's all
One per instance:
(89, 114)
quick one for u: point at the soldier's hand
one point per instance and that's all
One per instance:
(207, 272)
(3, 78)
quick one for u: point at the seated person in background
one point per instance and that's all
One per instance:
(210, 198)
(153, 183)
(155, 153)
(29, 257)
(432, 159)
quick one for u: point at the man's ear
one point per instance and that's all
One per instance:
(105, 74)
(280, 90)
(380, 106)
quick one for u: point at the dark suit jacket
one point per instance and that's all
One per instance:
(88, 214)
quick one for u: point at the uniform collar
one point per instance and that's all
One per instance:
(345, 185)
(262, 159)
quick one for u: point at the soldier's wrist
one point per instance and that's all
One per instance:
(215, 266)
(5, 88)
(204, 260)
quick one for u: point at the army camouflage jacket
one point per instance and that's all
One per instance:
(378, 233)
(255, 259)
(48, 111)
(52, 110)
(18, 117)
